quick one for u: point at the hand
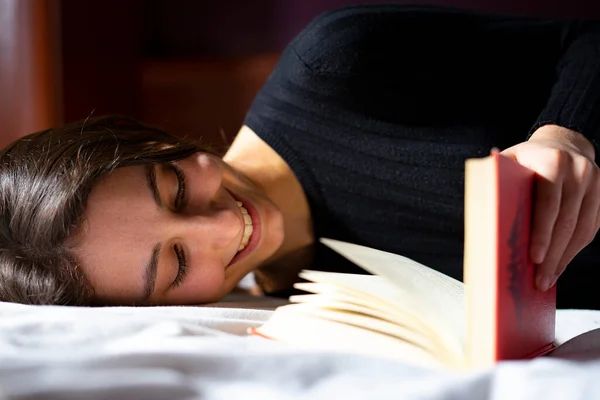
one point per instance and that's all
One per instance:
(567, 199)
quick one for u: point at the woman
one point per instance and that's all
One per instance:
(360, 134)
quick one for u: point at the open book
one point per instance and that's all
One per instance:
(408, 311)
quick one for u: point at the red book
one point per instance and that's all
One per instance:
(508, 317)
(411, 312)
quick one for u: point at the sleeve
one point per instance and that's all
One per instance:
(574, 102)
(438, 65)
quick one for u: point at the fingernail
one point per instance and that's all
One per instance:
(545, 282)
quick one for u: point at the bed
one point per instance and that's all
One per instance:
(175, 353)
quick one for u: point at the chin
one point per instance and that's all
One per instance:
(275, 236)
(221, 296)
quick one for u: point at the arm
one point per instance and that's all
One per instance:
(456, 67)
(444, 66)
(574, 102)
(414, 64)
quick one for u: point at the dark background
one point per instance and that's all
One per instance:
(190, 66)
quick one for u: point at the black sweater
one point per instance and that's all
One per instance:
(376, 108)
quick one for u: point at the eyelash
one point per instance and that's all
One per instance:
(179, 201)
(178, 204)
(182, 265)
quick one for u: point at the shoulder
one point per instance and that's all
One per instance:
(338, 40)
(324, 44)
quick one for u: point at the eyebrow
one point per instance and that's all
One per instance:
(151, 269)
(150, 272)
(151, 181)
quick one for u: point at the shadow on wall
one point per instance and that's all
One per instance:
(190, 66)
(238, 43)
(239, 27)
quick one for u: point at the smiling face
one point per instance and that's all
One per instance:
(178, 233)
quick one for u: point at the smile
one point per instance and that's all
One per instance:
(252, 231)
(248, 228)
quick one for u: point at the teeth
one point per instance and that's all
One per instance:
(248, 229)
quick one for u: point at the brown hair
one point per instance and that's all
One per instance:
(45, 179)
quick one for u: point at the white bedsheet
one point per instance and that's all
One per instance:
(203, 353)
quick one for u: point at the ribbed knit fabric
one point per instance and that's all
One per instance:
(376, 108)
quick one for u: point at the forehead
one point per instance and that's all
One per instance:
(116, 239)
(118, 200)
(118, 184)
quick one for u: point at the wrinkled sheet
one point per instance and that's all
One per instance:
(204, 353)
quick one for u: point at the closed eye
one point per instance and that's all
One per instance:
(180, 196)
(182, 266)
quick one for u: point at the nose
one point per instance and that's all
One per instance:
(212, 236)
(212, 223)
(207, 178)
(219, 228)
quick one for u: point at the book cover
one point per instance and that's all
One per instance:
(504, 307)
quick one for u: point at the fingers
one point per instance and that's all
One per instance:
(547, 199)
(587, 227)
(562, 232)
(575, 224)
(588, 223)
(566, 212)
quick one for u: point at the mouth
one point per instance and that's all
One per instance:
(251, 234)
(248, 229)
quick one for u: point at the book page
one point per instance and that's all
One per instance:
(373, 293)
(370, 291)
(402, 326)
(298, 325)
(435, 297)
(353, 315)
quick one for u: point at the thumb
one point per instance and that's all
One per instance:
(511, 152)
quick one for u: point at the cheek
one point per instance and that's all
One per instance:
(205, 284)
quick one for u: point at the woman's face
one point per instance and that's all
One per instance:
(172, 233)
